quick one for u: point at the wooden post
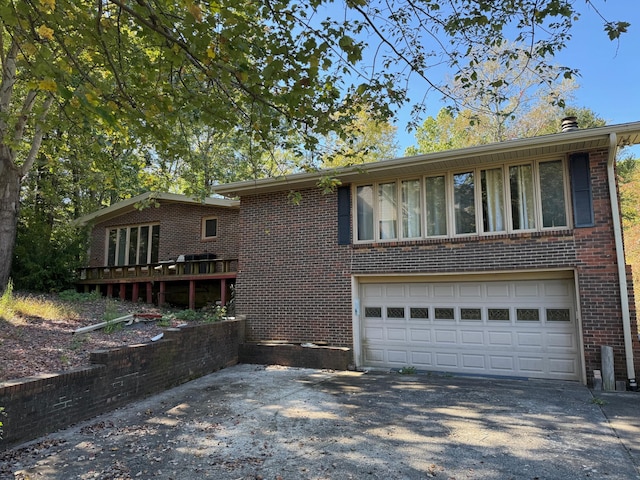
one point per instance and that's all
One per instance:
(192, 294)
(135, 292)
(223, 292)
(123, 291)
(149, 292)
(608, 374)
(161, 294)
(110, 290)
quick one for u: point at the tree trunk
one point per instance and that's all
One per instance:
(10, 181)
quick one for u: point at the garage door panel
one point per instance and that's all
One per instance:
(418, 291)
(526, 290)
(373, 291)
(565, 341)
(395, 291)
(445, 336)
(444, 291)
(446, 360)
(422, 359)
(476, 362)
(499, 339)
(501, 363)
(398, 357)
(471, 291)
(397, 334)
(472, 337)
(516, 328)
(557, 289)
(374, 333)
(420, 335)
(529, 339)
(533, 364)
(563, 366)
(374, 355)
(498, 290)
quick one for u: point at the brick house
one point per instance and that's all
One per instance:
(502, 259)
(163, 248)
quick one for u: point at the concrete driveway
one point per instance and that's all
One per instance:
(254, 422)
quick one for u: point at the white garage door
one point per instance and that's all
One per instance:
(513, 328)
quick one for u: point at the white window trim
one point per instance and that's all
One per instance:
(203, 231)
(127, 240)
(449, 198)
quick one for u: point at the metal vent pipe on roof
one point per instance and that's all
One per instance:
(569, 124)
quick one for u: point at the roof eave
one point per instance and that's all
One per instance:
(129, 205)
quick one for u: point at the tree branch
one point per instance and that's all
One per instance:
(37, 137)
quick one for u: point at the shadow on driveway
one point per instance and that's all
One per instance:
(254, 422)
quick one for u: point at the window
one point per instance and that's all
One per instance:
(209, 228)
(552, 194)
(464, 202)
(388, 210)
(522, 201)
(364, 214)
(492, 200)
(135, 245)
(411, 209)
(436, 200)
(509, 198)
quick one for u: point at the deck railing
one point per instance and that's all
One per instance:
(153, 271)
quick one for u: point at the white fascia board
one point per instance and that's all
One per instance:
(128, 205)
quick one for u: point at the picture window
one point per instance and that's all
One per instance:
(507, 198)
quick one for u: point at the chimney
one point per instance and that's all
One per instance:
(569, 124)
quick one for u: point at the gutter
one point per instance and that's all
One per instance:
(620, 260)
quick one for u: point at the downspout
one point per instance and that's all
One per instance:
(620, 260)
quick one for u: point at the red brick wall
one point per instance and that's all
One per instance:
(40, 405)
(598, 278)
(180, 231)
(293, 281)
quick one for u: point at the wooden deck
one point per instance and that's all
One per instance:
(144, 278)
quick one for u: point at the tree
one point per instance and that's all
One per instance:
(263, 67)
(368, 140)
(445, 131)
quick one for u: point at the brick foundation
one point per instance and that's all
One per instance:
(292, 355)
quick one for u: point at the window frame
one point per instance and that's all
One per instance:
(126, 247)
(203, 226)
(449, 199)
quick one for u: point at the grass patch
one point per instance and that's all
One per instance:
(78, 341)
(6, 300)
(73, 296)
(407, 371)
(110, 314)
(13, 308)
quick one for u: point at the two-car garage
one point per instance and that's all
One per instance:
(507, 327)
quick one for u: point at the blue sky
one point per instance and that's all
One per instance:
(609, 82)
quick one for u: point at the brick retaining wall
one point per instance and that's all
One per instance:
(38, 405)
(291, 355)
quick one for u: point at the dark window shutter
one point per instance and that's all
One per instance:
(581, 190)
(344, 215)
